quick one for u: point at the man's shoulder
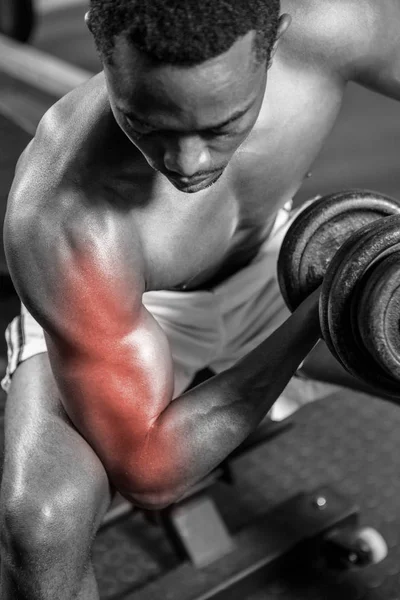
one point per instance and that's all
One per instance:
(337, 34)
(55, 171)
(71, 120)
(56, 148)
(70, 238)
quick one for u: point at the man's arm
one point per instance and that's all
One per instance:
(375, 60)
(114, 370)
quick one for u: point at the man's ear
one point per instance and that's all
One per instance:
(284, 23)
(87, 20)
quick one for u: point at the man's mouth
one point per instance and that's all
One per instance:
(195, 184)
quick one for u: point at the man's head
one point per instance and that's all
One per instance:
(178, 70)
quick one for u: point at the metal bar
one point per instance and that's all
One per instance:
(45, 6)
(36, 68)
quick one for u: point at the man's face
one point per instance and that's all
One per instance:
(187, 122)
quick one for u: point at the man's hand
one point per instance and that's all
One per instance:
(321, 365)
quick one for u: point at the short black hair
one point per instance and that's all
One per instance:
(184, 32)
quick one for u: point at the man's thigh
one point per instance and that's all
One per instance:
(46, 460)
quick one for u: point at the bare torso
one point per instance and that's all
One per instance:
(189, 241)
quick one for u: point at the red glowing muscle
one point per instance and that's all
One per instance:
(113, 366)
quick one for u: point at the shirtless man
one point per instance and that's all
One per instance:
(141, 234)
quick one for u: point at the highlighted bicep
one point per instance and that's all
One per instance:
(110, 358)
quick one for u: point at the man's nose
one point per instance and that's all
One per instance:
(187, 156)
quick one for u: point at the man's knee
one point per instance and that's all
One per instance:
(33, 525)
(54, 486)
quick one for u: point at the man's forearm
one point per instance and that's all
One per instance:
(203, 426)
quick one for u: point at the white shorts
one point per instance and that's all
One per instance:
(213, 328)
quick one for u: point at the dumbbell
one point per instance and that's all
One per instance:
(349, 243)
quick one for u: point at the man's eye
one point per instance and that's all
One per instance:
(139, 127)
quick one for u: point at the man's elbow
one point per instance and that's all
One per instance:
(156, 501)
(149, 490)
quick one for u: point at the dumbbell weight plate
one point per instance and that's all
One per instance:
(378, 313)
(317, 233)
(343, 324)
